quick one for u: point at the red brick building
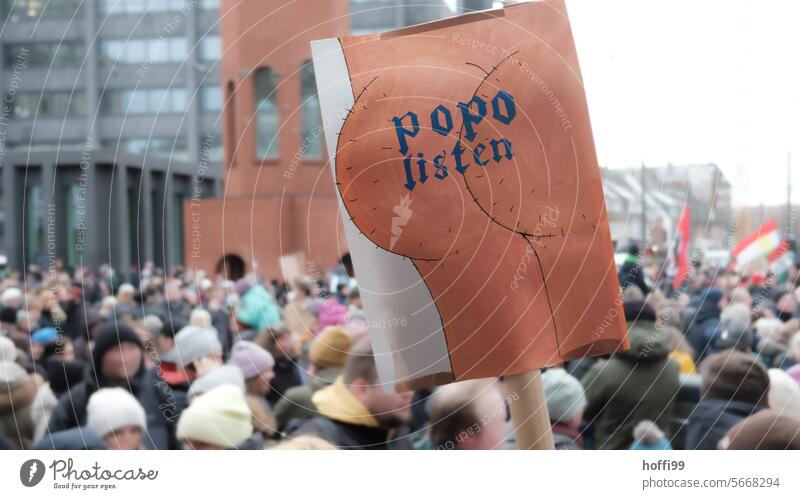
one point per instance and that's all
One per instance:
(277, 195)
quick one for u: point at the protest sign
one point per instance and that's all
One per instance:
(464, 161)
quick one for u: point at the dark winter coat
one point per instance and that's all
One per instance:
(162, 404)
(711, 419)
(73, 439)
(352, 436)
(634, 385)
(701, 327)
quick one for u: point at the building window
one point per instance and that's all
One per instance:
(138, 6)
(119, 102)
(49, 104)
(209, 4)
(34, 223)
(211, 148)
(211, 99)
(44, 54)
(230, 124)
(31, 10)
(2, 223)
(151, 50)
(176, 235)
(266, 110)
(210, 49)
(312, 119)
(76, 208)
(175, 147)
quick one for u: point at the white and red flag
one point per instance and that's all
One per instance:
(764, 242)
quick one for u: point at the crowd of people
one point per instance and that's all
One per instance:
(181, 360)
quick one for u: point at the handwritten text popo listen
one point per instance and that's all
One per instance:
(472, 113)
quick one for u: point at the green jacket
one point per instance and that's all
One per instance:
(633, 385)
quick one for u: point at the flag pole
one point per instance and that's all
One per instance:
(528, 408)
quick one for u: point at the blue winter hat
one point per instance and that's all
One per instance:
(44, 336)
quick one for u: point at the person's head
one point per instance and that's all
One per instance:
(165, 340)
(734, 376)
(195, 350)
(116, 416)
(786, 306)
(669, 316)
(200, 318)
(714, 297)
(125, 294)
(742, 296)
(256, 365)
(218, 419)
(330, 348)
(8, 352)
(304, 442)
(764, 430)
(566, 399)
(223, 375)
(12, 298)
(118, 353)
(734, 334)
(648, 436)
(40, 340)
(62, 348)
(784, 393)
(8, 318)
(638, 311)
(172, 292)
(153, 324)
(28, 320)
(738, 312)
(769, 329)
(468, 415)
(281, 343)
(360, 375)
(354, 300)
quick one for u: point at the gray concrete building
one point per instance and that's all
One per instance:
(98, 206)
(114, 106)
(654, 216)
(108, 120)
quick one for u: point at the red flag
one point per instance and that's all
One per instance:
(680, 250)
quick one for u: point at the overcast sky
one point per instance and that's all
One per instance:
(695, 82)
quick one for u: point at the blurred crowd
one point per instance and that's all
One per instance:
(181, 360)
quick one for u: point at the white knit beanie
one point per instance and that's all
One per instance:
(8, 352)
(110, 409)
(219, 417)
(784, 393)
(564, 393)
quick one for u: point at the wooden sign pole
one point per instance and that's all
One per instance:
(529, 411)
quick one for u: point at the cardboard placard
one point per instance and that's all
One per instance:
(465, 166)
(293, 266)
